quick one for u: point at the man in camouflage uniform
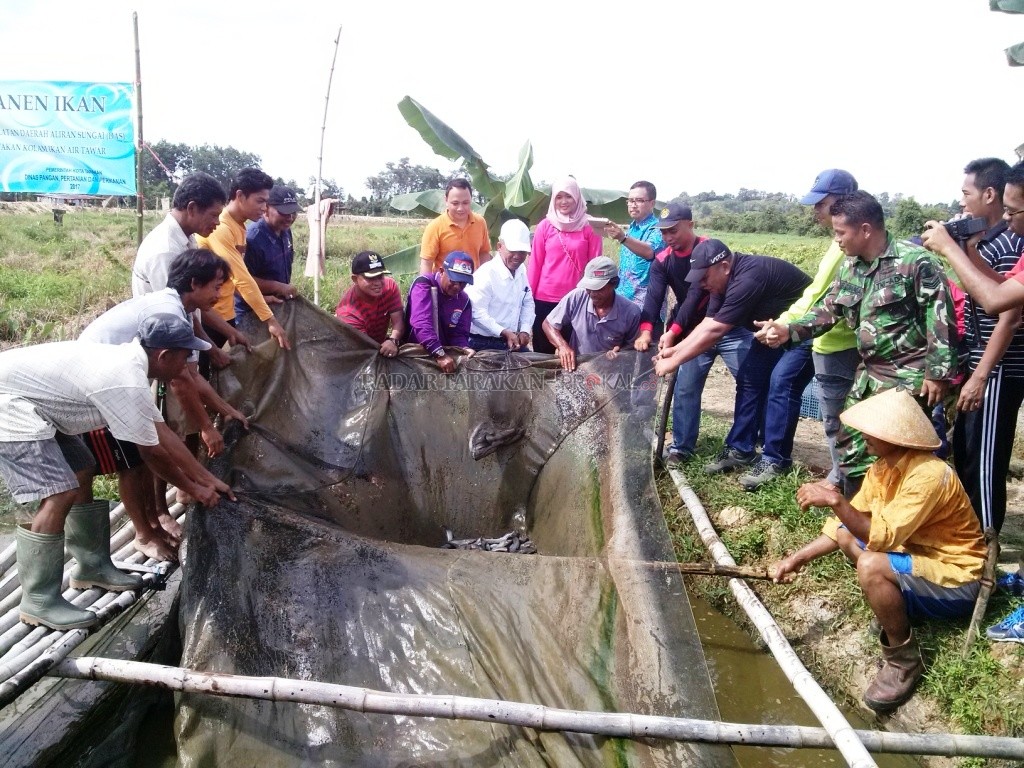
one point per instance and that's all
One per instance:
(896, 298)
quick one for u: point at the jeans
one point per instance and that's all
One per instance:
(790, 376)
(479, 343)
(733, 348)
(834, 373)
(752, 383)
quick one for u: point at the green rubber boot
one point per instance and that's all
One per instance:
(88, 540)
(41, 568)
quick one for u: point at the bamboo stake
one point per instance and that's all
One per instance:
(320, 174)
(536, 716)
(139, 191)
(705, 569)
(988, 577)
(842, 733)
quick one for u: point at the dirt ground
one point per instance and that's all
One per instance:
(811, 450)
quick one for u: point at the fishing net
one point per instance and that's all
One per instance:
(335, 565)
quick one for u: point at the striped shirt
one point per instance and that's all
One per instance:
(370, 315)
(1001, 249)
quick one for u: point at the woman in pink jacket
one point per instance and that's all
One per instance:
(562, 245)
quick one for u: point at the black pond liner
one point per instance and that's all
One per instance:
(330, 564)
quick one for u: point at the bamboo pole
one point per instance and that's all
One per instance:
(139, 191)
(320, 173)
(988, 578)
(842, 733)
(666, 409)
(536, 716)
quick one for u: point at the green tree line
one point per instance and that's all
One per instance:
(749, 210)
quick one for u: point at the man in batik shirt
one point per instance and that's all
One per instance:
(897, 299)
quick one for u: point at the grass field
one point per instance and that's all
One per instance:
(55, 279)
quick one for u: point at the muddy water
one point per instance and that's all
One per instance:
(751, 688)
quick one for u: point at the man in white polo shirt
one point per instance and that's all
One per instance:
(50, 394)
(502, 302)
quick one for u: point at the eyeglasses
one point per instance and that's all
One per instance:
(1010, 212)
(636, 200)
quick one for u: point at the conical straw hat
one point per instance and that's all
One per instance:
(895, 417)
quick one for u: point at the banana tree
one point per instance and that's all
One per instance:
(516, 194)
(1015, 53)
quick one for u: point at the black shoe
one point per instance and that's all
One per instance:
(729, 459)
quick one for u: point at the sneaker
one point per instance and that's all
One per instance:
(729, 459)
(1010, 629)
(1011, 583)
(676, 459)
(759, 474)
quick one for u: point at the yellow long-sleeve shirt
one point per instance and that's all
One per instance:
(228, 242)
(918, 506)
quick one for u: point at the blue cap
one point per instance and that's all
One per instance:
(834, 181)
(458, 265)
(166, 331)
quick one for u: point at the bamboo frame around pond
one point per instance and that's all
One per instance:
(847, 741)
(538, 717)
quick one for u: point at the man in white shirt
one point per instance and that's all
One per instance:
(50, 394)
(193, 283)
(502, 301)
(195, 210)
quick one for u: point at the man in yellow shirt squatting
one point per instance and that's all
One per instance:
(909, 531)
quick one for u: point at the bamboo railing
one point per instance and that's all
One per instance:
(27, 652)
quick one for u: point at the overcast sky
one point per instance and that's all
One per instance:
(690, 95)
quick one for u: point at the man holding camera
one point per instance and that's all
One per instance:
(994, 390)
(897, 299)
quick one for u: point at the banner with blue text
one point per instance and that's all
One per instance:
(70, 138)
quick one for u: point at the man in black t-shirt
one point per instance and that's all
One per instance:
(743, 288)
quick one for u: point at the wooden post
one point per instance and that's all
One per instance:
(138, 134)
(320, 172)
(988, 580)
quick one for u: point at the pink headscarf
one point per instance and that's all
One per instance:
(576, 220)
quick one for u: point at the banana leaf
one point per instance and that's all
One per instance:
(405, 261)
(492, 215)
(447, 143)
(428, 203)
(519, 189)
(1015, 55)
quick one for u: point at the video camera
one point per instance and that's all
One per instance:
(962, 230)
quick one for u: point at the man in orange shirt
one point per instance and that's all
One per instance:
(247, 200)
(457, 229)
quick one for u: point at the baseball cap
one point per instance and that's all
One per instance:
(369, 264)
(284, 199)
(515, 235)
(166, 331)
(458, 265)
(673, 213)
(598, 273)
(706, 254)
(834, 181)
